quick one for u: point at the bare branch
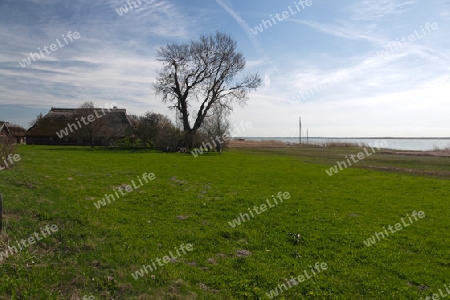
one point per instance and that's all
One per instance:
(204, 70)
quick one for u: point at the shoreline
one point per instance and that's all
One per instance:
(264, 144)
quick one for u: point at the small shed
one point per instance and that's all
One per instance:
(12, 132)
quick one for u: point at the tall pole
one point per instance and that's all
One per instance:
(300, 130)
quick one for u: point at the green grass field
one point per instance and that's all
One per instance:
(192, 200)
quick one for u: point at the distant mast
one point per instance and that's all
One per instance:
(300, 130)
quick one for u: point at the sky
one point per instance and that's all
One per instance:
(366, 68)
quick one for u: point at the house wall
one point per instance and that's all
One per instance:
(67, 141)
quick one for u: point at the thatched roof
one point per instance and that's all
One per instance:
(11, 130)
(106, 124)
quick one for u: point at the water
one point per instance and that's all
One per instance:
(417, 144)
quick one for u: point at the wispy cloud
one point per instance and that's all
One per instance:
(347, 31)
(254, 40)
(378, 10)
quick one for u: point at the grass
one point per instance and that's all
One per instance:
(95, 251)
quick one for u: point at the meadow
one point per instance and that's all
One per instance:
(191, 201)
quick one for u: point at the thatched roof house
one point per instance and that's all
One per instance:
(10, 131)
(80, 126)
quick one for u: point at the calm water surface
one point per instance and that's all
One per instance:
(392, 143)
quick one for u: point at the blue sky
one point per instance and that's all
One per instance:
(334, 53)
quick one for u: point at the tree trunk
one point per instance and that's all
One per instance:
(189, 137)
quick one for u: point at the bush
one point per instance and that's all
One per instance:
(129, 142)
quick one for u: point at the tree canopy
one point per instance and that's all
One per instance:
(203, 71)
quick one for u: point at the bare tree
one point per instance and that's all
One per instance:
(217, 125)
(134, 120)
(99, 128)
(90, 130)
(203, 71)
(37, 120)
(157, 130)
